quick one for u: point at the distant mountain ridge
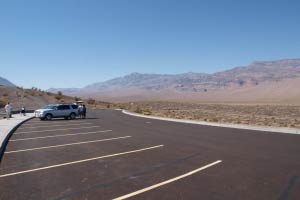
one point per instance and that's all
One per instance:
(236, 83)
(6, 82)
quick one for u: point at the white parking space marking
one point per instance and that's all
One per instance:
(167, 181)
(54, 125)
(62, 129)
(70, 144)
(52, 136)
(80, 161)
(31, 123)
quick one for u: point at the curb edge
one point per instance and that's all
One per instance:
(10, 133)
(235, 126)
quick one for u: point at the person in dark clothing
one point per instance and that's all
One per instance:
(23, 111)
(83, 111)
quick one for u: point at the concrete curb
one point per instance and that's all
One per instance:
(9, 134)
(236, 126)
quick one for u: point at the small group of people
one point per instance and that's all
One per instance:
(82, 111)
(8, 109)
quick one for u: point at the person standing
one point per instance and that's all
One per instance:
(80, 108)
(83, 111)
(8, 110)
(23, 111)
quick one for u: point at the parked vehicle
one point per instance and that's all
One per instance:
(66, 111)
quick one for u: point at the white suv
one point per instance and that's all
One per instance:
(67, 111)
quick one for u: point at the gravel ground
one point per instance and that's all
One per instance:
(266, 115)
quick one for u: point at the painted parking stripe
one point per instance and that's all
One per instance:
(80, 161)
(167, 181)
(70, 144)
(54, 125)
(61, 129)
(32, 123)
(52, 136)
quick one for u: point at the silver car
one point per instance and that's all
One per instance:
(67, 111)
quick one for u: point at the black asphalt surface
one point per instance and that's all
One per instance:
(255, 165)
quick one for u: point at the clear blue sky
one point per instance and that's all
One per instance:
(72, 43)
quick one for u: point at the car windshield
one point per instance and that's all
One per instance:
(49, 107)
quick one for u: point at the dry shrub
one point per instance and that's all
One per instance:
(138, 110)
(77, 98)
(2, 103)
(58, 96)
(91, 101)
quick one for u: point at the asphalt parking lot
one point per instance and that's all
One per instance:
(110, 155)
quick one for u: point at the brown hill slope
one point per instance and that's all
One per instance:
(30, 98)
(35, 98)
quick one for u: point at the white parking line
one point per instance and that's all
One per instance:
(32, 123)
(62, 145)
(79, 161)
(167, 181)
(54, 125)
(62, 129)
(52, 136)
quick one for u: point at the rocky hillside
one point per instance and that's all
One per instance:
(35, 98)
(261, 82)
(30, 98)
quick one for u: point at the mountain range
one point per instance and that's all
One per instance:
(260, 82)
(6, 82)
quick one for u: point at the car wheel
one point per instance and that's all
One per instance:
(72, 116)
(48, 117)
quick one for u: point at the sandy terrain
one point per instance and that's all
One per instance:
(262, 114)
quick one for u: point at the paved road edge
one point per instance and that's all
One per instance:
(9, 134)
(236, 126)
